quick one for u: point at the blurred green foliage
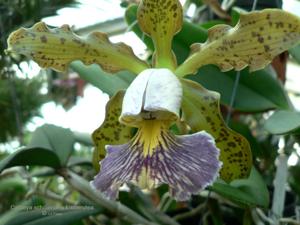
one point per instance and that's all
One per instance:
(20, 98)
(28, 98)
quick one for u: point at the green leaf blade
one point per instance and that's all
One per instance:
(107, 83)
(31, 156)
(295, 52)
(251, 192)
(56, 215)
(57, 139)
(283, 122)
(256, 92)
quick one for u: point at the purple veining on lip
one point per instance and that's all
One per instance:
(188, 165)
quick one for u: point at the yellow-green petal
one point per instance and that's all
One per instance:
(254, 41)
(161, 20)
(201, 111)
(111, 131)
(57, 48)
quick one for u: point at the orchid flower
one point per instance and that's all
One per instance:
(160, 98)
(154, 155)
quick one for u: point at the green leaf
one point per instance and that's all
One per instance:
(283, 122)
(57, 48)
(43, 172)
(79, 161)
(11, 214)
(83, 138)
(295, 52)
(108, 83)
(15, 184)
(211, 23)
(249, 192)
(50, 146)
(56, 139)
(31, 157)
(256, 92)
(201, 111)
(254, 41)
(189, 34)
(50, 216)
(235, 14)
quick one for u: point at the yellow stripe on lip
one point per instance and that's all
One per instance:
(149, 135)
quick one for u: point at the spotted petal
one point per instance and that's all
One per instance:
(161, 20)
(201, 111)
(111, 130)
(186, 163)
(254, 41)
(57, 48)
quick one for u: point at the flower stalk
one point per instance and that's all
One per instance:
(84, 188)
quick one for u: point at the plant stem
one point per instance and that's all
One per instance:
(53, 196)
(289, 221)
(236, 82)
(279, 188)
(84, 188)
(256, 217)
(186, 6)
(163, 201)
(167, 205)
(233, 95)
(191, 213)
(261, 214)
(147, 207)
(254, 5)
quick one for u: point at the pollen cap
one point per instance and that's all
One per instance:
(154, 94)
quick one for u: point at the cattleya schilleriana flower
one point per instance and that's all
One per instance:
(160, 98)
(154, 155)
